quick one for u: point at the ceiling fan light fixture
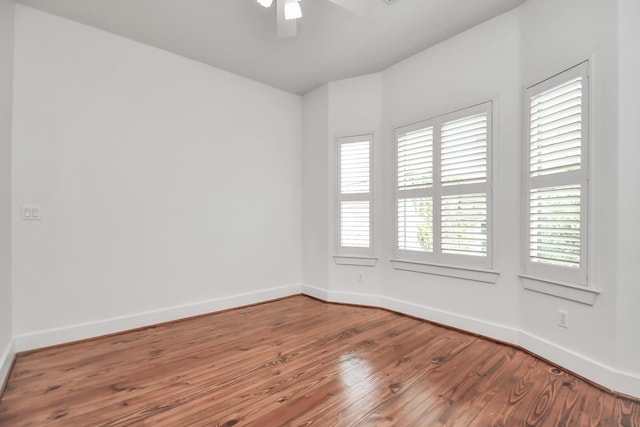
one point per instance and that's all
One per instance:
(292, 9)
(265, 3)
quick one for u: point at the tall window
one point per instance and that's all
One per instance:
(443, 179)
(354, 195)
(557, 176)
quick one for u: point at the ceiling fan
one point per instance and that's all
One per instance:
(288, 11)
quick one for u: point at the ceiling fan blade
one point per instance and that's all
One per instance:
(359, 7)
(286, 28)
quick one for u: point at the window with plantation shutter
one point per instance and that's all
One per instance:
(443, 189)
(354, 195)
(415, 189)
(557, 176)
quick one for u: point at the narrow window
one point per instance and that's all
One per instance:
(557, 176)
(354, 195)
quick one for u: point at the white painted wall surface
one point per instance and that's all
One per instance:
(628, 337)
(355, 108)
(555, 36)
(497, 61)
(479, 65)
(6, 68)
(136, 156)
(167, 187)
(315, 194)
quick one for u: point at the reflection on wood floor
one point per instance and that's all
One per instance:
(299, 361)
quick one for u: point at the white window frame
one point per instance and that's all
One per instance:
(351, 255)
(538, 275)
(406, 259)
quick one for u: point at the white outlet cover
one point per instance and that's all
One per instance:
(563, 318)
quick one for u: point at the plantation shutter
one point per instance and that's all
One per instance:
(443, 188)
(415, 174)
(354, 169)
(415, 224)
(415, 159)
(556, 129)
(554, 232)
(464, 224)
(354, 224)
(556, 173)
(464, 150)
(354, 194)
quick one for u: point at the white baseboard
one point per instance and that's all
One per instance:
(341, 297)
(611, 378)
(454, 320)
(6, 360)
(602, 374)
(312, 291)
(49, 337)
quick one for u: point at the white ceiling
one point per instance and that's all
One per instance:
(240, 36)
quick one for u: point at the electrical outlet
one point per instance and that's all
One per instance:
(360, 276)
(563, 318)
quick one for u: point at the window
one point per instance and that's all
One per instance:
(354, 195)
(557, 176)
(443, 189)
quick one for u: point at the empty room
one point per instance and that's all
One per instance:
(319, 212)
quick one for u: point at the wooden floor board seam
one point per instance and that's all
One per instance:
(301, 361)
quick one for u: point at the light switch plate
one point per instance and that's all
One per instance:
(31, 212)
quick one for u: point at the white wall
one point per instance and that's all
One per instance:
(555, 36)
(355, 108)
(315, 214)
(496, 61)
(628, 338)
(168, 188)
(6, 68)
(477, 66)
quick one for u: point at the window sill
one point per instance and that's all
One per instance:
(364, 261)
(569, 291)
(475, 274)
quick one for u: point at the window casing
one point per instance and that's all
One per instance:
(354, 201)
(443, 189)
(557, 177)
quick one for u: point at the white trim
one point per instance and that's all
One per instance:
(551, 273)
(475, 274)
(583, 294)
(355, 260)
(49, 337)
(611, 378)
(602, 374)
(344, 250)
(454, 320)
(342, 297)
(437, 191)
(6, 360)
(315, 292)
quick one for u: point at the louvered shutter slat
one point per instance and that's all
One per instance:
(354, 167)
(415, 159)
(464, 151)
(464, 224)
(554, 232)
(556, 129)
(354, 224)
(415, 224)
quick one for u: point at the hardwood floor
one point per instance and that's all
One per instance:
(300, 362)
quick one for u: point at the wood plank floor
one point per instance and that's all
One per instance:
(300, 362)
